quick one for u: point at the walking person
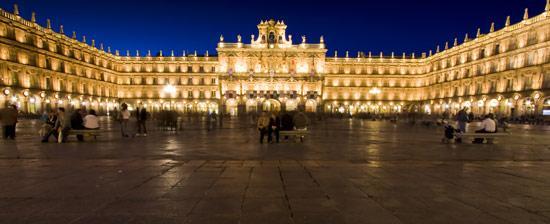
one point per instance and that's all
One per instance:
(274, 128)
(141, 116)
(124, 117)
(263, 123)
(8, 119)
(462, 120)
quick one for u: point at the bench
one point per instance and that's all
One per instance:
(488, 136)
(85, 132)
(300, 133)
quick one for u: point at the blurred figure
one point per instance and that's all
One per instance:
(300, 121)
(141, 116)
(488, 125)
(273, 129)
(462, 120)
(263, 123)
(77, 123)
(8, 119)
(124, 118)
(91, 121)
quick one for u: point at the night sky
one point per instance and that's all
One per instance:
(369, 25)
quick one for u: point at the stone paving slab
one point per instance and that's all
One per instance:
(345, 172)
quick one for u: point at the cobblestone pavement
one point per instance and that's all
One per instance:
(347, 171)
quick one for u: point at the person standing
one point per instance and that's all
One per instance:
(141, 116)
(462, 120)
(8, 119)
(273, 129)
(263, 123)
(124, 117)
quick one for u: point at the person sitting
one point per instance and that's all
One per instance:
(287, 124)
(488, 125)
(300, 121)
(91, 121)
(273, 129)
(77, 123)
(450, 133)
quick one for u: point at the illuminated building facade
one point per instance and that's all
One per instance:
(504, 71)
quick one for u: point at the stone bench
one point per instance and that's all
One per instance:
(488, 136)
(86, 132)
(300, 133)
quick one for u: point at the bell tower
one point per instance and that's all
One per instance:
(272, 33)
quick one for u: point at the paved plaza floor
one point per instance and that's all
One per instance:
(347, 171)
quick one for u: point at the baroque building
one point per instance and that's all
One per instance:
(504, 71)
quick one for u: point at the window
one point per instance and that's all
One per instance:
(201, 81)
(213, 94)
(189, 94)
(190, 81)
(497, 49)
(213, 81)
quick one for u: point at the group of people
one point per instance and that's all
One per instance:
(270, 125)
(58, 123)
(8, 119)
(141, 120)
(488, 125)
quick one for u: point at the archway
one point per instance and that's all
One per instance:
(271, 105)
(291, 105)
(231, 107)
(311, 106)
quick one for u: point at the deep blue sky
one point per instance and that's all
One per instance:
(368, 25)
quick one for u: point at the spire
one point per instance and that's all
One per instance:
(547, 8)
(447, 45)
(239, 38)
(430, 53)
(413, 55)
(84, 39)
(160, 53)
(33, 17)
(93, 43)
(206, 54)
(252, 38)
(74, 35)
(148, 53)
(61, 31)
(172, 53)
(183, 55)
(108, 49)
(466, 38)
(507, 21)
(392, 54)
(117, 53)
(478, 34)
(404, 55)
(322, 39)
(492, 29)
(221, 38)
(303, 39)
(137, 53)
(381, 54)
(48, 24)
(127, 53)
(15, 9)
(526, 14)
(195, 53)
(358, 54)
(101, 46)
(347, 54)
(335, 54)
(436, 50)
(456, 42)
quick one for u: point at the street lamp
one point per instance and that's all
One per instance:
(170, 89)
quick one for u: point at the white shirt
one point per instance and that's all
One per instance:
(91, 121)
(488, 125)
(125, 114)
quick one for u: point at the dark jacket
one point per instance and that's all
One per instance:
(76, 121)
(141, 114)
(274, 122)
(8, 116)
(287, 123)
